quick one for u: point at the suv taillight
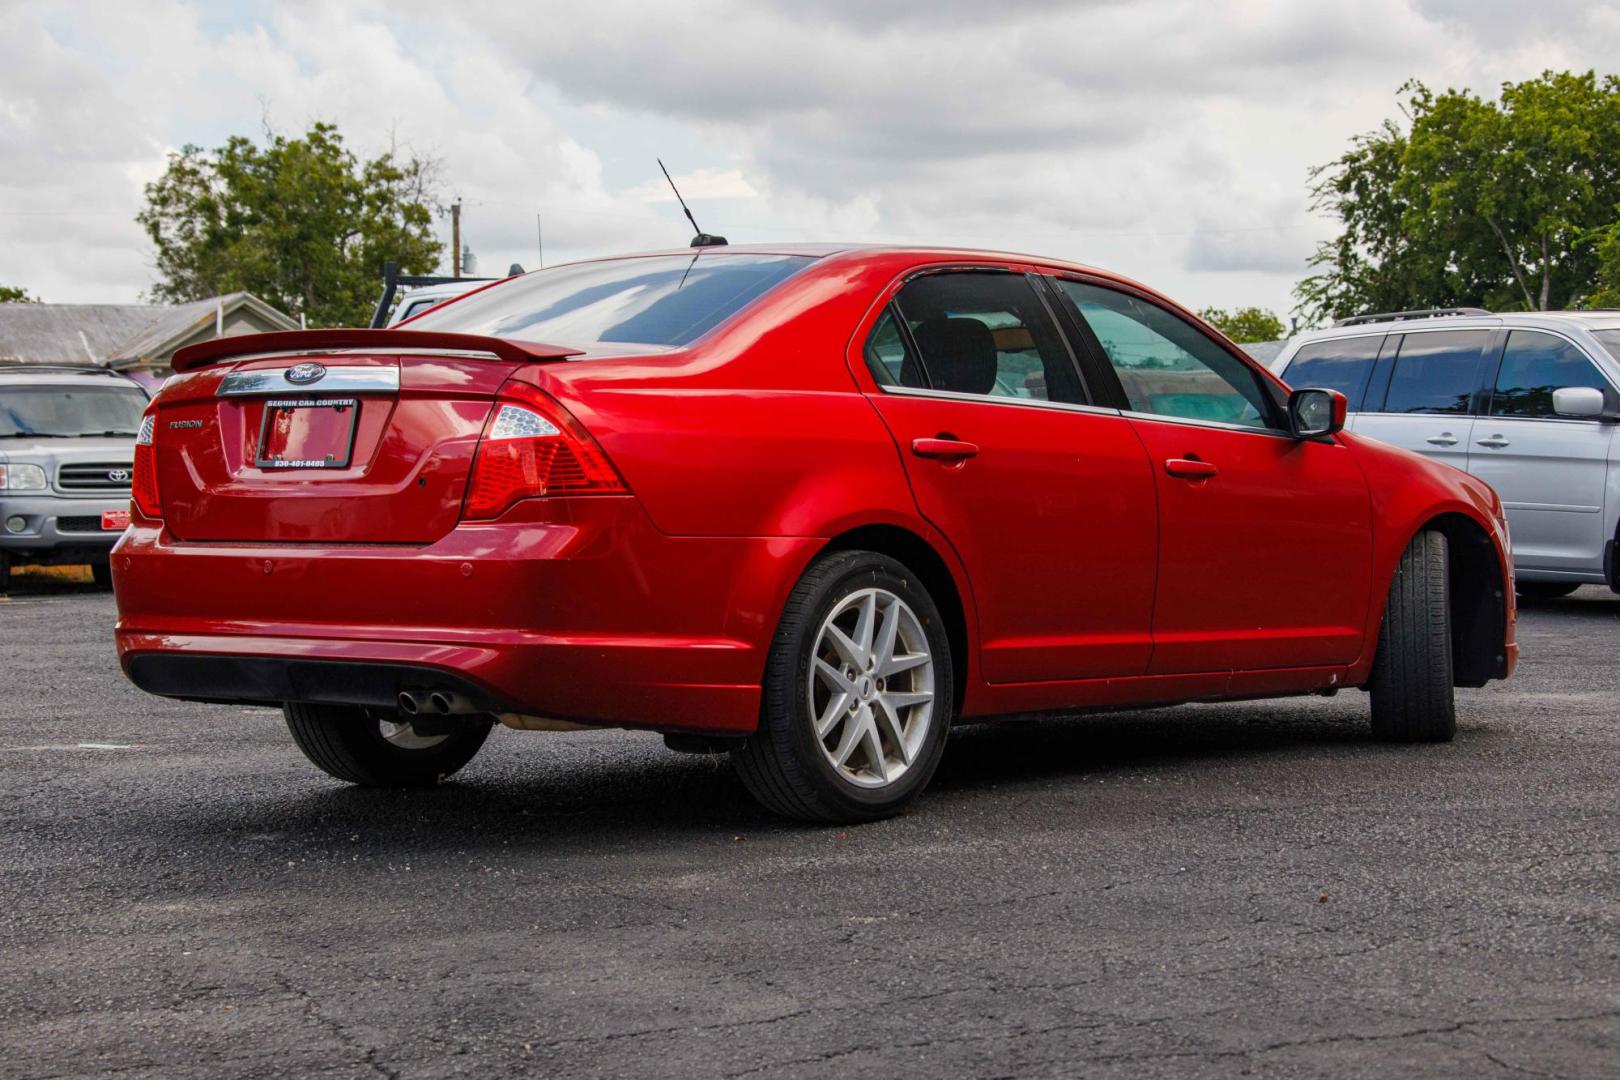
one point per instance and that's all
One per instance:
(532, 447)
(144, 485)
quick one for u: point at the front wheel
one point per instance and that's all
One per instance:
(1413, 699)
(377, 749)
(857, 695)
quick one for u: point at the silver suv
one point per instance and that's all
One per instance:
(67, 443)
(1528, 402)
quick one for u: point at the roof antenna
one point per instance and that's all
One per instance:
(702, 239)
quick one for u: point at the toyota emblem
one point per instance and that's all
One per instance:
(303, 374)
(118, 476)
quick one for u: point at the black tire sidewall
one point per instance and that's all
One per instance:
(787, 703)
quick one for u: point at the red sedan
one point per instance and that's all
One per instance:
(808, 505)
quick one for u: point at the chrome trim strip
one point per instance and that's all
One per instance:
(1219, 425)
(996, 399)
(353, 380)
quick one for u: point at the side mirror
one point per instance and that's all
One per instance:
(1578, 401)
(1316, 414)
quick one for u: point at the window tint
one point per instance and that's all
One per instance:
(888, 357)
(1166, 366)
(1435, 373)
(657, 300)
(985, 333)
(1609, 339)
(1343, 365)
(1533, 366)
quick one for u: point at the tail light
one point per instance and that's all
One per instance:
(144, 485)
(532, 447)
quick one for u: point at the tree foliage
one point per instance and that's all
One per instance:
(300, 222)
(11, 294)
(1245, 324)
(1501, 204)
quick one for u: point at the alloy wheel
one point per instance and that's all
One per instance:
(871, 687)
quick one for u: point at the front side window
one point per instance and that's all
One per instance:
(1533, 366)
(669, 300)
(1343, 364)
(1165, 365)
(1436, 373)
(64, 412)
(976, 332)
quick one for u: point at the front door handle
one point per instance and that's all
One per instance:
(947, 449)
(1495, 442)
(1190, 468)
(1445, 438)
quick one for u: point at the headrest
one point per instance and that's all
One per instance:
(960, 354)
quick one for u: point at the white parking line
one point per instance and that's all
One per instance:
(77, 746)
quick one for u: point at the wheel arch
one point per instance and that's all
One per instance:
(1478, 598)
(936, 575)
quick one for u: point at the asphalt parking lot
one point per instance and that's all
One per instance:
(1252, 888)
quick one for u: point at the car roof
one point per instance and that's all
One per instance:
(1590, 320)
(49, 375)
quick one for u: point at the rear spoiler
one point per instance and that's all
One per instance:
(297, 341)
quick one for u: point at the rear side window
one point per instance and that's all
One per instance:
(1344, 364)
(1533, 366)
(657, 300)
(977, 333)
(1436, 373)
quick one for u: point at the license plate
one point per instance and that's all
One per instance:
(115, 519)
(307, 433)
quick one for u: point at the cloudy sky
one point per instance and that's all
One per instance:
(1166, 139)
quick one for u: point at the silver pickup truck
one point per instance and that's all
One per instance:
(67, 444)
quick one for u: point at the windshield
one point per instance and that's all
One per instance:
(658, 300)
(1610, 340)
(67, 411)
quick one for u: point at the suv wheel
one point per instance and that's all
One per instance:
(378, 749)
(1412, 693)
(857, 695)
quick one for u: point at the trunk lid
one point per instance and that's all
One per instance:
(352, 446)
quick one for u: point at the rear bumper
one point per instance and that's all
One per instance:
(574, 609)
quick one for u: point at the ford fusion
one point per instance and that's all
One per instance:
(808, 506)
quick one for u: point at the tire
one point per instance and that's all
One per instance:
(893, 731)
(350, 744)
(1413, 699)
(101, 573)
(1545, 590)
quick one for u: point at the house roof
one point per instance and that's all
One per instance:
(115, 335)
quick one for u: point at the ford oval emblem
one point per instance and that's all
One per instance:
(304, 374)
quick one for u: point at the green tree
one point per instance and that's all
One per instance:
(300, 222)
(11, 294)
(1245, 324)
(1500, 204)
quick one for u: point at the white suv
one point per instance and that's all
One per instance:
(1527, 402)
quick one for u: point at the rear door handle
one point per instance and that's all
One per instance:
(1496, 442)
(1445, 438)
(1190, 468)
(948, 449)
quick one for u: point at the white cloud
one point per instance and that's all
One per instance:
(1169, 139)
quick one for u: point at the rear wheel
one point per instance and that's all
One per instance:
(1413, 699)
(1545, 590)
(857, 695)
(379, 749)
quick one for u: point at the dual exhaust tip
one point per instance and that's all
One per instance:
(434, 703)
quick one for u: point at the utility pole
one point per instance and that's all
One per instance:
(455, 239)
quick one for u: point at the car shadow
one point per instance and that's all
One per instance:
(28, 581)
(634, 794)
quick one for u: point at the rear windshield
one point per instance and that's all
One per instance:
(70, 410)
(658, 300)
